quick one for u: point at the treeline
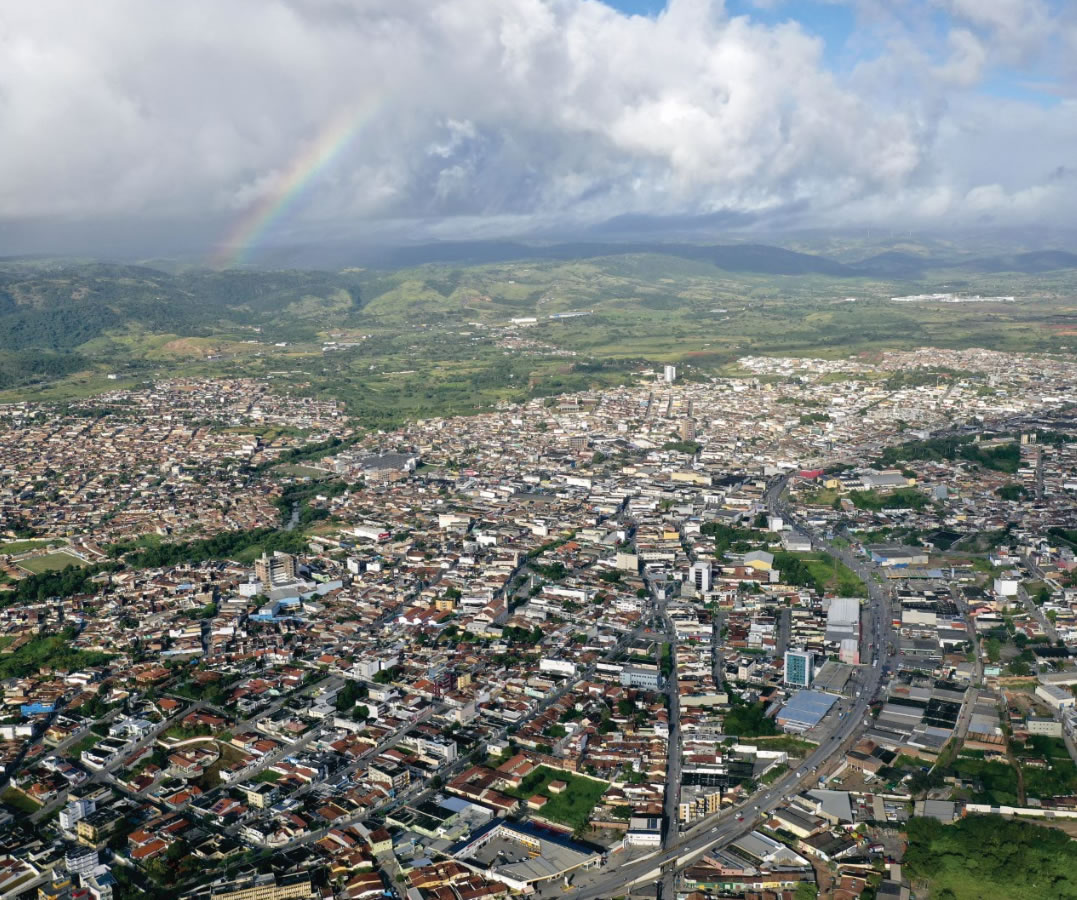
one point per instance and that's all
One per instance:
(308, 452)
(991, 856)
(795, 571)
(226, 545)
(49, 651)
(727, 538)
(1002, 458)
(64, 583)
(189, 303)
(20, 367)
(300, 494)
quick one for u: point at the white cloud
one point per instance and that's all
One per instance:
(522, 110)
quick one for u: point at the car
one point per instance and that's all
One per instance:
(740, 817)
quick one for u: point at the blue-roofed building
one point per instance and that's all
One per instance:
(805, 710)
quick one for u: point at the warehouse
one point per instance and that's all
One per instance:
(804, 710)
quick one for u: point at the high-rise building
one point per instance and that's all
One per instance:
(701, 574)
(688, 430)
(80, 860)
(75, 810)
(669, 373)
(799, 667)
(275, 570)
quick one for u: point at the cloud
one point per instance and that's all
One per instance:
(512, 112)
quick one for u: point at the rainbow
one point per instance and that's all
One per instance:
(300, 173)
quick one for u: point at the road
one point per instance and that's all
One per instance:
(673, 758)
(724, 827)
(97, 776)
(1046, 626)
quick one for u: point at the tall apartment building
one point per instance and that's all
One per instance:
(799, 667)
(278, 569)
(702, 575)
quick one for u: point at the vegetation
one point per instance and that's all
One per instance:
(51, 562)
(65, 583)
(819, 571)
(727, 538)
(902, 498)
(49, 652)
(991, 858)
(691, 448)
(1002, 458)
(747, 720)
(226, 545)
(573, 805)
(701, 307)
(1012, 492)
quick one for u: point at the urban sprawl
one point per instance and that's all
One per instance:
(702, 636)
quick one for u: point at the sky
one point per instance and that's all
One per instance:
(223, 128)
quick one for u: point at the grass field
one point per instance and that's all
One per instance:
(16, 799)
(50, 562)
(573, 805)
(14, 547)
(84, 743)
(832, 574)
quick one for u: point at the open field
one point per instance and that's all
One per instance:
(50, 562)
(437, 339)
(18, 800)
(573, 805)
(14, 547)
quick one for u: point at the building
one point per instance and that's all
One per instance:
(702, 575)
(799, 667)
(257, 887)
(645, 678)
(688, 430)
(97, 827)
(1043, 725)
(57, 889)
(644, 831)
(897, 555)
(669, 374)
(278, 569)
(804, 710)
(759, 559)
(75, 810)
(1056, 697)
(81, 860)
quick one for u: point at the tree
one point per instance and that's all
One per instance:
(806, 890)
(994, 649)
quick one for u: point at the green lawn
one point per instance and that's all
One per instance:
(18, 800)
(13, 547)
(50, 562)
(830, 573)
(573, 805)
(791, 745)
(85, 743)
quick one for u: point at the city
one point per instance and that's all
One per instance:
(547, 449)
(689, 638)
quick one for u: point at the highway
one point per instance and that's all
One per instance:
(724, 827)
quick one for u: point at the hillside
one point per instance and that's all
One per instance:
(436, 337)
